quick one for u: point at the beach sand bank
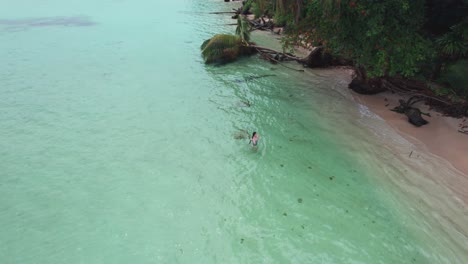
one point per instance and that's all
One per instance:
(440, 136)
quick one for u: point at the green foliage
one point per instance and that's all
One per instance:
(381, 36)
(243, 29)
(456, 77)
(454, 44)
(440, 90)
(285, 11)
(221, 48)
(261, 7)
(247, 6)
(256, 10)
(407, 38)
(282, 20)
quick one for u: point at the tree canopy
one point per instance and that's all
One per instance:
(385, 38)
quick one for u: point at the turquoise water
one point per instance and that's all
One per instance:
(118, 145)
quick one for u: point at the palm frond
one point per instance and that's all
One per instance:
(203, 45)
(221, 48)
(453, 44)
(243, 29)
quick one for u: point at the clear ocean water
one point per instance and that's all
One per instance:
(119, 145)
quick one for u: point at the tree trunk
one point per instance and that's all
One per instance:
(299, 4)
(436, 72)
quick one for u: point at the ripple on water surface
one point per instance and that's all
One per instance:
(119, 145)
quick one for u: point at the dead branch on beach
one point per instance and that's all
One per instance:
(261, 24)
(408, 87)
(277, 57)
(413, 113)
(286, 56)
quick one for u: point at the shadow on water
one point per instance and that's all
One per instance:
(30, 23)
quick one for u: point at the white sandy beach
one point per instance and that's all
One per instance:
(440, 136)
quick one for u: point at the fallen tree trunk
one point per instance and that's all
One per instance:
(275, 56)
(261, 24)
(268, 50)
(413, 113)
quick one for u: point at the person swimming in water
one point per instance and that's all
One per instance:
(254, 139)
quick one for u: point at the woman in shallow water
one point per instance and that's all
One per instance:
(254, 139)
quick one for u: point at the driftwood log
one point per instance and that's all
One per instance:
(413, 113)
(316, 58)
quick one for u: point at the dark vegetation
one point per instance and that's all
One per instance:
(416, 47)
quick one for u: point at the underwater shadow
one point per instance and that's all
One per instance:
(62, 21)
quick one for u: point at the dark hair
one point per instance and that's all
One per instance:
(253, 134)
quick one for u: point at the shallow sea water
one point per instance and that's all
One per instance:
(119, 145)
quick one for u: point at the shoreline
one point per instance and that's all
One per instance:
(439, 137)
(431, 185)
